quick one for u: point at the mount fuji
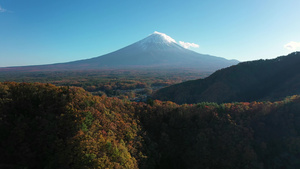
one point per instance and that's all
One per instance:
(157, 51)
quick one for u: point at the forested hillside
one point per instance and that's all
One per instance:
(44, 126)
(263, 80)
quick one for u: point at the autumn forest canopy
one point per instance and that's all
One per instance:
(149, 84)
(45, 126)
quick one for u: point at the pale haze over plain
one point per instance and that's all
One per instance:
(34, 32)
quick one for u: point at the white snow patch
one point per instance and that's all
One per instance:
(158, 40)
(188, 45)
(166, 37)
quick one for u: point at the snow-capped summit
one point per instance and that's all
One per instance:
(158, 40)
(156, 51)
(164, 37)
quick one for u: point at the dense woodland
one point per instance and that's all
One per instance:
(259, 80)
(45, 126)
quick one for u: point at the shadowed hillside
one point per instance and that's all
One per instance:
(248, 81)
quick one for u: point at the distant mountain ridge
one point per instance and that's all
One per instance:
(158, 50)
(260, 80)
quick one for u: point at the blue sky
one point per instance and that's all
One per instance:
(51, 31)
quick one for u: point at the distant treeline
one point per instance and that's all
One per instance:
(44, 126)
(112, 83)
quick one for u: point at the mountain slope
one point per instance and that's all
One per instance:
(158, 50)
(248, 81)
